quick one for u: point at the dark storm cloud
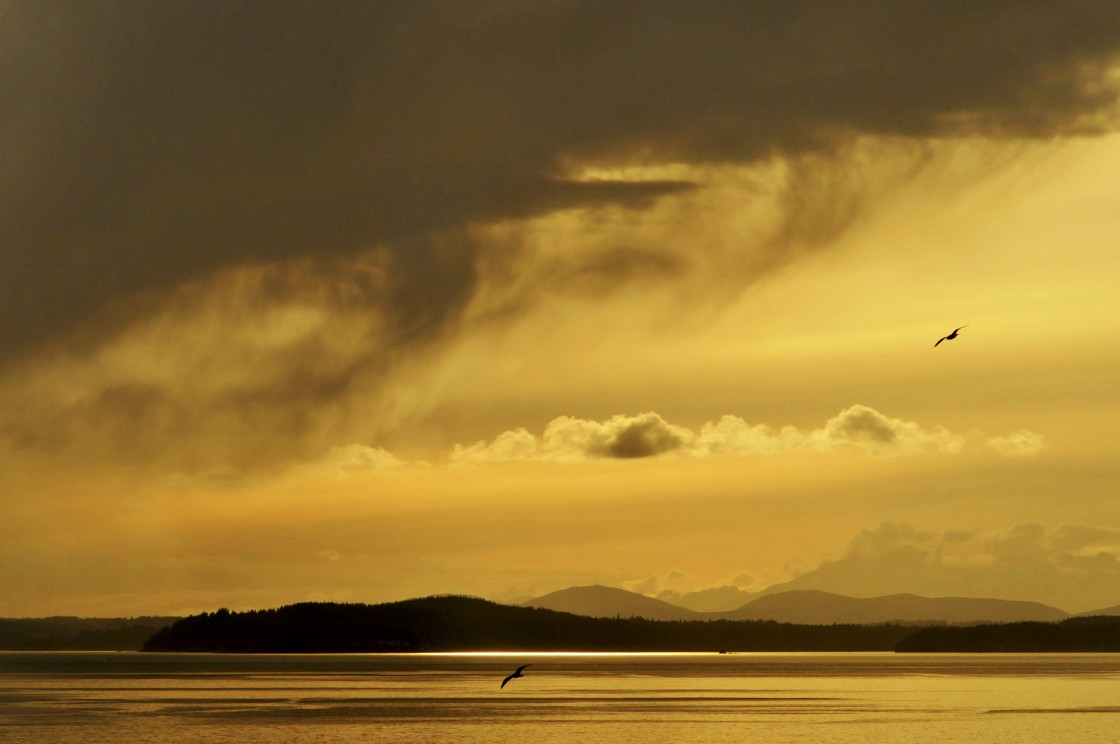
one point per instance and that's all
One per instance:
(149, 143)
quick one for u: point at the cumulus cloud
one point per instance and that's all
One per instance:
(744, 581)
(517, 444)
(622, 437)
(1073, 566)
(567, 438)
(358, 457)
(695, 595)
(664, 586)
(1022, 443)
(857, 428)
(865, 428)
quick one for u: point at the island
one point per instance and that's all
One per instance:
(458, 623)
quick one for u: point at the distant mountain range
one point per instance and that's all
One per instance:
(606, 601)
(595, 617)
(811, 607)
(815, 607)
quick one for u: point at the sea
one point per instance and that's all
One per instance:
(126, 698)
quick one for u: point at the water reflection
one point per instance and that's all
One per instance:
(126, 698)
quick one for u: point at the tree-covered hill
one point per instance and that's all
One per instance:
(1078, 634)
(451, 623)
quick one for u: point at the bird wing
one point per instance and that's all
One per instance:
(940, 340)
(515, 674)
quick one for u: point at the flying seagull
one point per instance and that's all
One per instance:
(951, 336)
(515, 674)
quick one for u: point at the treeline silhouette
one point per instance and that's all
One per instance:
(78, 633)
(453, 623)
(1077, 634)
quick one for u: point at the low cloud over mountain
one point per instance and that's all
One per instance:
(1072, 566)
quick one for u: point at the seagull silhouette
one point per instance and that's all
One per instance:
(515, 674)
(951, 336)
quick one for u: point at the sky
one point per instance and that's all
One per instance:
(347, 301)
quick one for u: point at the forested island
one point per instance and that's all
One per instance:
(453, 623)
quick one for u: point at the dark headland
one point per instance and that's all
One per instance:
(455, 623)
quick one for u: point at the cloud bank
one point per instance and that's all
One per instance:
(856, 428)
(1075, 566)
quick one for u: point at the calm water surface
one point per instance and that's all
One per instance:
(127, 698)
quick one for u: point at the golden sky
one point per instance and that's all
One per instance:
(361, 302)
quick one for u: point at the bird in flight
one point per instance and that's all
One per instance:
(951, 336)
(515, 674)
